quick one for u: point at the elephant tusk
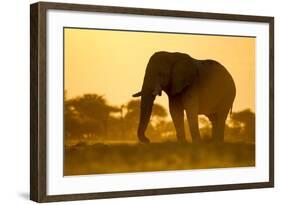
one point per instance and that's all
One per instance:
(137, 94)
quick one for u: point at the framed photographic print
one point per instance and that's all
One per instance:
(134, 102)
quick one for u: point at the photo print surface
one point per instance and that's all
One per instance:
(148, 101)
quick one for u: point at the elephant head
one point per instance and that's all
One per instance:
(170, 72)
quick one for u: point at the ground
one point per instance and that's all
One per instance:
(103, 158)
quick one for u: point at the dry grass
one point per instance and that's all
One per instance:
(101, 158)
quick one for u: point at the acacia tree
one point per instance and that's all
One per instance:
(87, 115)
(205, 127)
(246, 121)
(131, 118)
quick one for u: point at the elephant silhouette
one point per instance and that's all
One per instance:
(194, 86)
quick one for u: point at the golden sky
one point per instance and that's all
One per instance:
(113, 63)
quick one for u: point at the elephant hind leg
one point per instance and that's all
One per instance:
(177, 114)
(218, 126)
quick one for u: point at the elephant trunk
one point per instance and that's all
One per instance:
(147, 100)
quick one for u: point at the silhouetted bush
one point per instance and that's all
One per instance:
(89, 118)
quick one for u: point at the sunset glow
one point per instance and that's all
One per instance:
(112, 63)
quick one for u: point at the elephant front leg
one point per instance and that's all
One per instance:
(191, 106)
(177, 114)
(193, 126)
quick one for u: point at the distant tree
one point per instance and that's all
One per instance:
(72, 122)
(87, 116)
(246, 121)
(92, 106)
(165, 129)
(133, 108)
(133, 111)
(205, 127)
(131, 118)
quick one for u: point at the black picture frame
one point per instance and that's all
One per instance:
(38, 103)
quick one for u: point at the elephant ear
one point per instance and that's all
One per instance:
(184, 72)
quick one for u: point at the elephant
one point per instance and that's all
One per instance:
(193, 86)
